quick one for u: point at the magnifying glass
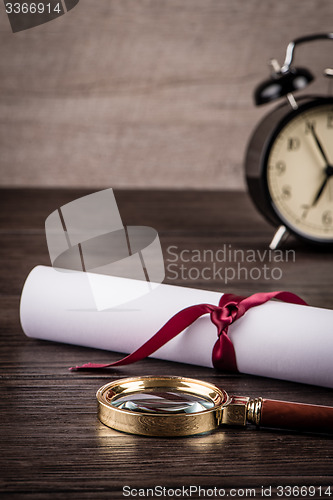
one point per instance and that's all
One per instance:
(178, 406)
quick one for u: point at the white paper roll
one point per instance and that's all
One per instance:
(275, 339)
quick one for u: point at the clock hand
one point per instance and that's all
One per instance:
(329, 173)
(330, 192)
(320, 147)
(320, 190)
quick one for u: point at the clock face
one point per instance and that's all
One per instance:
(299, 173)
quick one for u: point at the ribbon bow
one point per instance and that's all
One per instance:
(231, 307)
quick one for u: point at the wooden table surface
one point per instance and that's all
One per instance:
(53, 445)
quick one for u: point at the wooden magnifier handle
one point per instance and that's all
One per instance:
(293, 416)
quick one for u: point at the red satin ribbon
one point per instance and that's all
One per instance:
(231, 307)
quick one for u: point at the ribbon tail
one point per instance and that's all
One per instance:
(224, 356)
(169, 330)
(260, 298)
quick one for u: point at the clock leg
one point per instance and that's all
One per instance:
(280, 235)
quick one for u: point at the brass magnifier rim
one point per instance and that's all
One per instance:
(156, 424)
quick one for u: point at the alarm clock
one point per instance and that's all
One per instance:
(289, 158)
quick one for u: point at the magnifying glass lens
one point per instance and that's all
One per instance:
(162, 401)
(161, 406)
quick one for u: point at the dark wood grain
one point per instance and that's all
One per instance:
(53, 446)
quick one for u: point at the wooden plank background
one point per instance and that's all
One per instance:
(145, 93)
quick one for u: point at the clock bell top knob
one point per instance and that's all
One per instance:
(282, 83)
(287, 79)
(328, 72)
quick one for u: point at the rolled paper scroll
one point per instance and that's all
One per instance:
(276, 339)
